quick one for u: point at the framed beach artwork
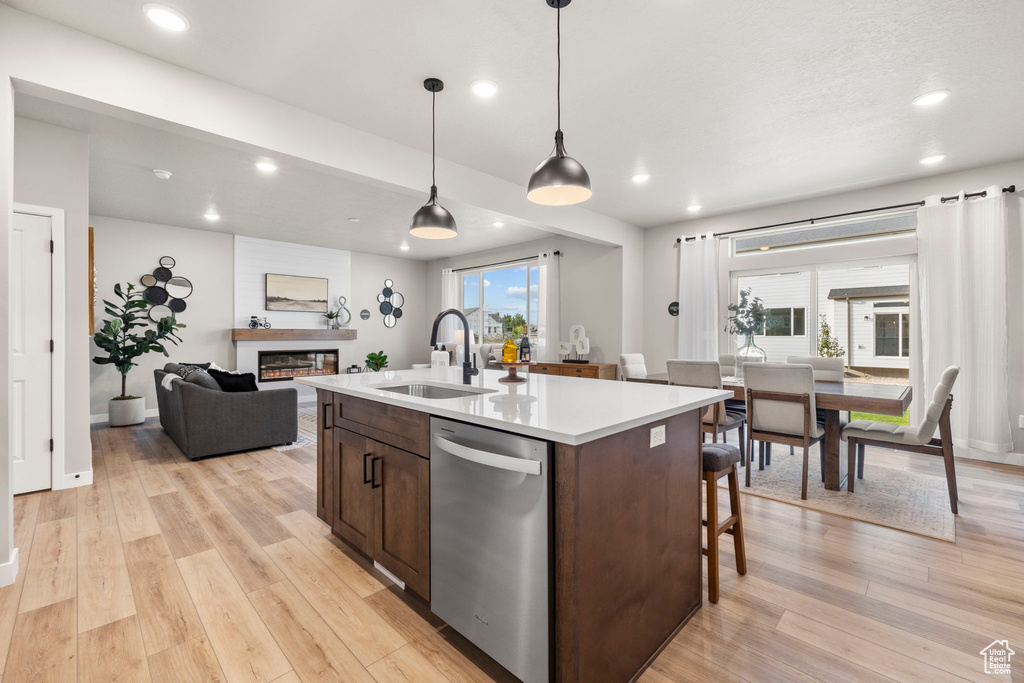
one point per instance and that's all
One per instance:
(296, 293)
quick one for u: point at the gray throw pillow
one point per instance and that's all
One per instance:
(172, 367)
(203, 379)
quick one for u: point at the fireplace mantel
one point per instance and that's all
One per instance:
(245, 334)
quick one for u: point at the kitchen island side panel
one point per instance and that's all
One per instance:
(627, 548)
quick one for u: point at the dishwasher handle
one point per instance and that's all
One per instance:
(487, 458)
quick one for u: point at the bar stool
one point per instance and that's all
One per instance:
(719, 460)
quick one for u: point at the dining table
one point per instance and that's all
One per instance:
(831, 398)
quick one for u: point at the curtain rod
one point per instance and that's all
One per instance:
(501, 263)
(983, 193)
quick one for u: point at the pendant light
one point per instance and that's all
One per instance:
(432, 221)
(560, 180)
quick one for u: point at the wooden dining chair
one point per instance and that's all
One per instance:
(920, 439)
(717, 419)
(780, 409)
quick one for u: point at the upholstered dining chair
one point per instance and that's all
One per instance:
(780, 409)
(728, 363)
(920, 439)
(708, 375)
(631, 365)
(825, 369)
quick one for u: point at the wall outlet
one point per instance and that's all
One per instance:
(1020, 421)
(657, 435)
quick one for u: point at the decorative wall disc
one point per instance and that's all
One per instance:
(397, 312)
(167, 261)
(156, 295)
(386, 308)
(163, 274)
(397, 300)
(179, 287)
(391, 303)
(364, 314)
(381, 298)
(176, 305)
(158, 313)
(390, 320)
(147, 280)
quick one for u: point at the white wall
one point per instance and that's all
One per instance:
(591, 288)
(359, 277)
(661, 258)
(8, 560)
(51, 169)
(124, 252)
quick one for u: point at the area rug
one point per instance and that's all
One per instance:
(307, 428)
(892, 498)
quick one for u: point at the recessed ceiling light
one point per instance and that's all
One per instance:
(484, 88)
(212, 216)
(765, 248)
(353, 219)
(266, 166)
(165, 17)
(694, 208)
(933, 159)
(162, 174)
(930, 98)
(404, 247)
(641, 178)
(498, 224)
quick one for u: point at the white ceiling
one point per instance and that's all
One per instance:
(294, 204)
(726, 104)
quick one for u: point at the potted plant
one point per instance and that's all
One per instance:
(126, 336)
(749, 317)
(332, 319)
(376, 361)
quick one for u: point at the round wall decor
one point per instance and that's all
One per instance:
(156, 295)
(391, 303)
(364, 314)
(176, 305)
(165, 291)
(179, 287)
(673, 308)
(147, 280)
(158, 313)
(163, 274)
(167, 261)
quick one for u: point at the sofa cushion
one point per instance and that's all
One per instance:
(232, 382)
(202, 378)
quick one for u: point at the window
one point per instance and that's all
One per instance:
(786, 322)
(502, 301)
(892, 335)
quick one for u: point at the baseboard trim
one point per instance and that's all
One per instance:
(105, 417)
(9, 569)
(379, 567)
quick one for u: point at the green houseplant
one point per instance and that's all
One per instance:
(376, 361)
(124, 337)
(749, 317)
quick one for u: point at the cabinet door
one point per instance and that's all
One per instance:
(579, 371)
(402, 522)
(353, 496)
(324, 458)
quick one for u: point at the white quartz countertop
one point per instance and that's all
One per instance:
(568, 410)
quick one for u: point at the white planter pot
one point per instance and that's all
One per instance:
(124, 412)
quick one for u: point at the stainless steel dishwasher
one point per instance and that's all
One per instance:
(490, 543)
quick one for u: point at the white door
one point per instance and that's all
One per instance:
(30, 331)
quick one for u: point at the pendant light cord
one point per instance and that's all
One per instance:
(433, 139)
(558, 78)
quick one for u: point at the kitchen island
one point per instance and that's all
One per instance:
(620, 556)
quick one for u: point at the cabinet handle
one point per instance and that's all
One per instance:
(373, 473)
(366, 477)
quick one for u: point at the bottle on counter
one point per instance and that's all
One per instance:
(524, 349)
(439, 361)
(509, 351)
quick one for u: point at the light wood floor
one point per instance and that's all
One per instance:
(169, 570)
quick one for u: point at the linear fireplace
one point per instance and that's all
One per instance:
(282, 366)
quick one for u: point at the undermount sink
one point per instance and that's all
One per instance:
(435, 391)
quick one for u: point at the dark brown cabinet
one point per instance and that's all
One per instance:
(376, 495)
(353, 480)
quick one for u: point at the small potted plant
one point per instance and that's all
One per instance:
(126, 336)
(333, 322)
(376, 362)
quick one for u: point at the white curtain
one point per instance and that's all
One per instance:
(698, 299)
(451, 284)
(961, 266)
(548, 308)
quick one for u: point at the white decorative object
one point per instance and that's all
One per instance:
(578, 342)
(564, 348)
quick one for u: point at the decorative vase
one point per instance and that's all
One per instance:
(126, 411)
(749, 353)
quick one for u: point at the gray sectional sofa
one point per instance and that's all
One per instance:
(203, 420)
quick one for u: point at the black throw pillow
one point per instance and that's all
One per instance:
(229, 381)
